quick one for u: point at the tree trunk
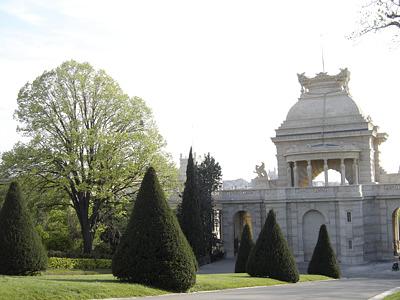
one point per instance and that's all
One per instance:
(87, 236)
(87, 233)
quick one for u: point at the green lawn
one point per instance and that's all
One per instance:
(395, 296)
(105, 285)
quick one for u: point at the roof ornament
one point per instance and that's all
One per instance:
(324, 83)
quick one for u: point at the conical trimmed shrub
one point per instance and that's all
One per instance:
(21, 249)
(271, 256)
(153, 250)
(189, 212)
(323, 261)
(246, 244)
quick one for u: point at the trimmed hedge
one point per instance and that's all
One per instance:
(323, 261)
(78, 263)
(246, 244)
(153, 250)
(21, 249)
(271, 256)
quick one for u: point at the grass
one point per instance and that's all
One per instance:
(76, 272)
(395, 296)
(55, 286)
(209, 282)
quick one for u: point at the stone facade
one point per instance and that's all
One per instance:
(325, 130)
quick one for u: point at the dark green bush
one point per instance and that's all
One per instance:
(189, 213)
(78, 263)
(153, 250)
(21, 249)
(271, 256)
(246, 244)
(323, 261)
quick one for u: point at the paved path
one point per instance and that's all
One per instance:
(332, 289)
(359, 282)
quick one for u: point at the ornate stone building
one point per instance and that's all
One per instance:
(326, 133)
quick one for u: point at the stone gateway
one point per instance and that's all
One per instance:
(325, 134)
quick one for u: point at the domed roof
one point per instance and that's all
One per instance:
(324, 96)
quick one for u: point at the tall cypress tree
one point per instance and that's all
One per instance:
(189, 212)
(323, 261)
(209, 177)
(21, 249)
(271, 256)
(246, 244)
(153, 250)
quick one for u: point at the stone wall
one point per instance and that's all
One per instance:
(364, 235)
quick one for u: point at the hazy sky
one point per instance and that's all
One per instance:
(218, 75)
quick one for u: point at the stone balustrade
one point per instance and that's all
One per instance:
(324, 192)
(248, 194)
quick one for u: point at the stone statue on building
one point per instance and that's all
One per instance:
(260, 171)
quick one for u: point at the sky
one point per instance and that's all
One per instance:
(218, 75)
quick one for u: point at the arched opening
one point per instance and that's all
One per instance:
(334, 178)
(396, 231)
(312, 221)
(240, 219)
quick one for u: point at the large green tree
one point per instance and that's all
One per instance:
(189, 212)
(21, 249)
(153, 249)
(209, 180)
(271, 256)
(87, 139)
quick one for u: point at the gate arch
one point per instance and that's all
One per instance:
(312, 221)
(240, 219)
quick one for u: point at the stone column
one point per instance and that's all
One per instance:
(296, 176)
(309, 172)
(355, 170)
(289, 174)
(343, 171)
(326, 171)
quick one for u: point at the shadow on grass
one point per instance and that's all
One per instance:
(85, 280)
(243, 275)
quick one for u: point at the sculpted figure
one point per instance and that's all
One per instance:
(260, 171)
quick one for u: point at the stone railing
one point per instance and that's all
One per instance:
(347, 191)
(240, 195)
(387, 190)
(289, 193)
(323, 192)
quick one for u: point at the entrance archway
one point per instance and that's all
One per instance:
(396, 231)
(334, 178)
(240, 219)
(312, 221)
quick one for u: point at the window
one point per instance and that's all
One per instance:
(349, 217)
(350, 244)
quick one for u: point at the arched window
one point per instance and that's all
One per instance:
(334, 178)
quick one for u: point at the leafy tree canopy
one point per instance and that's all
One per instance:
(87, 139)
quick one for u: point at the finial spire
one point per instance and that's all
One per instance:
(322, 53)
